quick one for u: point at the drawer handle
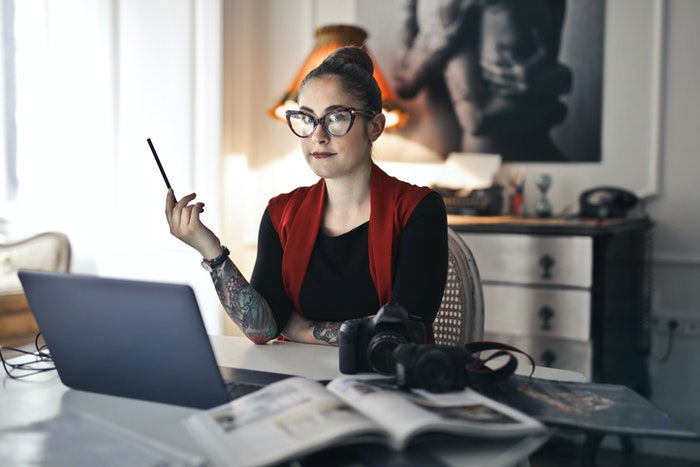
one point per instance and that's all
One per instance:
(548, 357)
(546, 314)
(546, 262)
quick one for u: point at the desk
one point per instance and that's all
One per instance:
(43, 396)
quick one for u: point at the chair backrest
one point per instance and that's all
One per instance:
(48, 251)
(460, 318)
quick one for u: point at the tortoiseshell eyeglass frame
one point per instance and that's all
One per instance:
(322, 120)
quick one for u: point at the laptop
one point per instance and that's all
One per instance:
(137, 339)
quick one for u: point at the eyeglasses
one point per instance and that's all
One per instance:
(336, 122)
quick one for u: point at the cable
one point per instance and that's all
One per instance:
(648, 286)
(672, 326)
(648, 291)
(44, 346)
(40, 356)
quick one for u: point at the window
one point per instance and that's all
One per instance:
(8, 159)
(92, 80)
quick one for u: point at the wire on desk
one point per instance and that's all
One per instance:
(39, 349)
(41, 356)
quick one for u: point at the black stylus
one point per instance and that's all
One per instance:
(162, 172)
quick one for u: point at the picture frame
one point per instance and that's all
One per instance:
(633, 83)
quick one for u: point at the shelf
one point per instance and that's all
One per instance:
(545, 226)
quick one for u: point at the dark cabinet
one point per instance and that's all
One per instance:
(573, 294)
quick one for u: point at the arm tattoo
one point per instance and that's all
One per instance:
(326, 331)
(246, 307)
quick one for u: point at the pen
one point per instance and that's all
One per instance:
(162, 172)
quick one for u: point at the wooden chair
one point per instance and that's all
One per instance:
(460, 318)
(48, 251)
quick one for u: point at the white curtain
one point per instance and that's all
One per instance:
(65, 115)
(94, 79)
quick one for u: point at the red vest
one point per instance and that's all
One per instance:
(297, 217)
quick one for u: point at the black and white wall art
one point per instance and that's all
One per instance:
(523, 79)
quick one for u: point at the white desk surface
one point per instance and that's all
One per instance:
(43, 396)
(318, 361)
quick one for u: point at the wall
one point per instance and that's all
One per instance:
(677, 216)
(651, 144)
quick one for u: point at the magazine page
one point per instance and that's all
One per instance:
(406, 414)
(281, 421)
(605, 408)
(378, 398)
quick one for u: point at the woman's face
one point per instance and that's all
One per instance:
(332, 156)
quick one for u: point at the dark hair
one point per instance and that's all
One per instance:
(353, 67)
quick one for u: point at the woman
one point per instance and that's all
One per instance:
(343, 247)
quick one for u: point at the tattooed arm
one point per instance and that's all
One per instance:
(246, 307)
(299, 329)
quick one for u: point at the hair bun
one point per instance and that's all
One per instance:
(353, 67)
(354, 56)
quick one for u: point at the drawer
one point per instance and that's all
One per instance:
(528, 311)
(533, 259)
(555, 353)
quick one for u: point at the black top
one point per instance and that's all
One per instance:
(338, 284)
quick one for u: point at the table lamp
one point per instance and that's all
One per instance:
(328, 39)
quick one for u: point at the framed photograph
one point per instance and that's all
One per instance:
(580, 100)
(519, 79)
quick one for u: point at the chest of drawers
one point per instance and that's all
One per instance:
(572, 294)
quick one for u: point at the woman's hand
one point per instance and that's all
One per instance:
(183, 219)
(300, 329)
(297, 328)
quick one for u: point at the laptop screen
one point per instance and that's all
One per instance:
(138, 339)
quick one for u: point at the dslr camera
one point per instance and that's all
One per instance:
(368, 344)
(436, 368)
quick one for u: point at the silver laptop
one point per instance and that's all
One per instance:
(137, 339)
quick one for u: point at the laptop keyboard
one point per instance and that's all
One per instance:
(237, 389)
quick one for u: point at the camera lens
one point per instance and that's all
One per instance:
(435, 372)
(380, 352)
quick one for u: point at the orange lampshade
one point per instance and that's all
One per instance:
(328, 39)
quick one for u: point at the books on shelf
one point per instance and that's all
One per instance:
(297, 416)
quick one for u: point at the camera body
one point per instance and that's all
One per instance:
(436, 368)
(368, 344)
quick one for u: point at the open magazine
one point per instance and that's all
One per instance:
(592, 407)
(297, 416)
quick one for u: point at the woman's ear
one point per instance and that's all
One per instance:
(376, 126)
